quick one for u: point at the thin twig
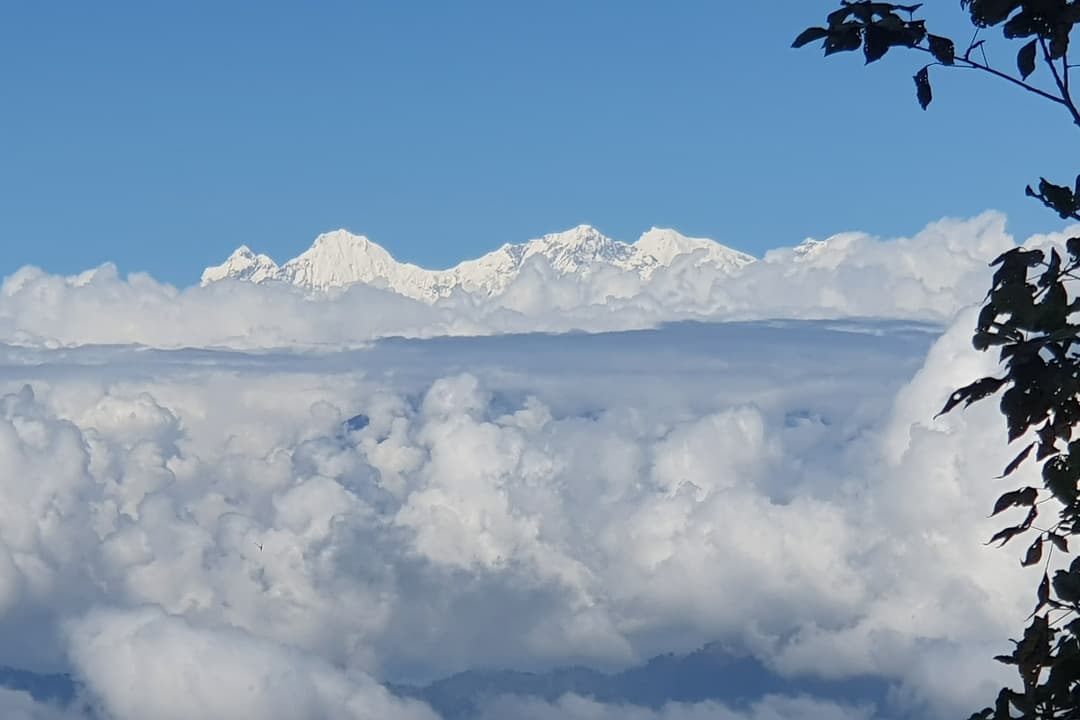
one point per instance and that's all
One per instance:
(1065, 66)
(969, 64)
(1061, 83)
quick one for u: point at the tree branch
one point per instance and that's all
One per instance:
(1065, 69)
(968, 63)
(1062, 83)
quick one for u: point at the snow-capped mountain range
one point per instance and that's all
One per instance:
(339, 258)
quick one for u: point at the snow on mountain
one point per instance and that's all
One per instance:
(809, 249)
(665, 245)
(243, 264)
(570, 251)
(829, 253)
(339, 258)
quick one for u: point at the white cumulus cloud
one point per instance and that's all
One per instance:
(221, 533)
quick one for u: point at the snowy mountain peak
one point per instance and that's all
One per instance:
(577, 236)
(341, 239)
(569, 251)
(243, 264)
(340, 258)
(809, 249)
(666, 244)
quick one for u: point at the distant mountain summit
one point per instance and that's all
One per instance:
(245, 265)
(339, 258)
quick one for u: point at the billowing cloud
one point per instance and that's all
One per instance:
(19, 705)
(180, 526)
(567, 499)
(144, 664)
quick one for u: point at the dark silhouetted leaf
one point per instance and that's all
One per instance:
(1034, 553)
(875, 43)
(844, 39)
(942, 48)
(989, 12)
(1011, 468)
(1032, 514)
(1045, 451)
(987, 316)
(922, 88)
(1052, 269)
(863, 10)
(1059, 541)
(974, 392)
(1072, 245)
(1025, 60)
(1004, 536)
(1059, 42)
(983, 340)
(1023, 24)
(1058, 197)
(1022, 255)
(1043, 593)
(809, 35)
(1023, 497)
(1060, 478)
(1001, 707)
(1067, 584)
(837, 17)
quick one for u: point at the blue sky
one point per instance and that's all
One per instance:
(162, 135)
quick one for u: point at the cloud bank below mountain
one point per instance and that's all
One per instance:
(296, 528)
(929, 276)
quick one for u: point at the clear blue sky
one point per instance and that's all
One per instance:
(161, 135)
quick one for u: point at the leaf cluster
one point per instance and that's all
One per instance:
(1028, 316)
(874, 26)
(877, 27)
(1048, 658)
(1062, 199)
(1049, 20)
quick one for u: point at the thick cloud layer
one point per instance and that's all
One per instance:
(929, 276)
(145, 664)
(214, 533)
(17, 705)
(202, 532)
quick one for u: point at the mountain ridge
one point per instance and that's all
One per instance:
(339, 258)
(709, 673)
